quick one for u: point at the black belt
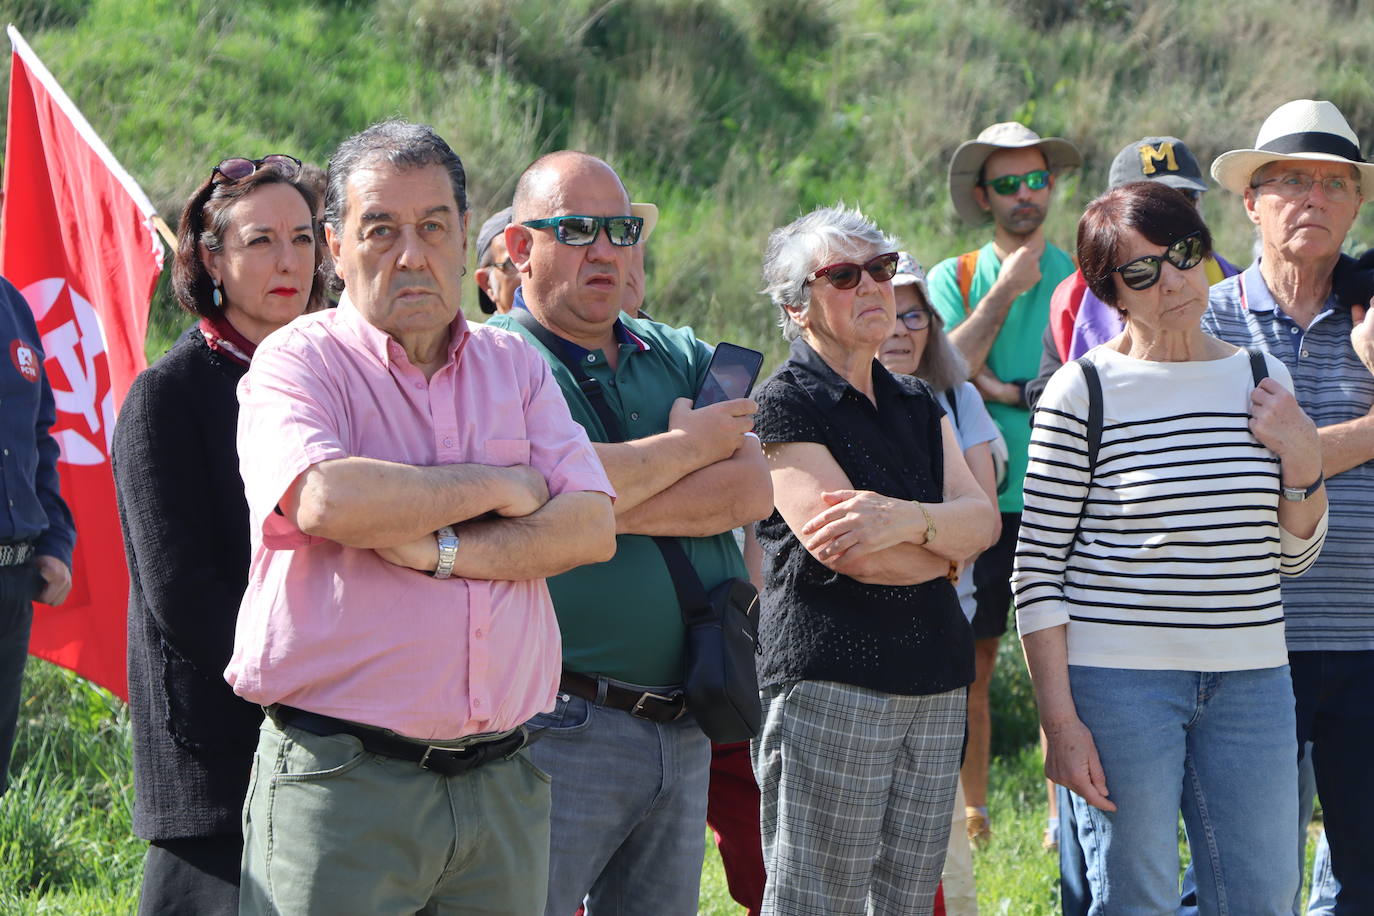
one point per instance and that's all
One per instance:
(447, 761)
(637, 701)
(15, 554)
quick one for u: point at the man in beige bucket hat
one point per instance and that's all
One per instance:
(1305, 302)
(995, 302)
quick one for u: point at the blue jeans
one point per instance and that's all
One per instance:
(1335, 700)
(1217, 745)
(629, 810)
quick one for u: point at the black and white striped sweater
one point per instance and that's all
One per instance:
(1176, 561)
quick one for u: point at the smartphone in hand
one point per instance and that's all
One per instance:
(731, 374)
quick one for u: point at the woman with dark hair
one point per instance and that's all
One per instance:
(866, 654)
(246, 263)
(1173, 479)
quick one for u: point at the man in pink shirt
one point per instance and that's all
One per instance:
(411, 480)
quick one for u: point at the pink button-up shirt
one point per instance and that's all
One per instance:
(338, 630)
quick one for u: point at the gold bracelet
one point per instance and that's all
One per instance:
(930, 524)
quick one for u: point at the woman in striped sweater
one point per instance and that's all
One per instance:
(1147, 578)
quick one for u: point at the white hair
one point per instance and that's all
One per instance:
(809, 242)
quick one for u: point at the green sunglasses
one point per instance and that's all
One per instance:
(621, 231)
(1006, 185)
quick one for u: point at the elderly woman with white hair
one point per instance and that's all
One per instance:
(866, 654)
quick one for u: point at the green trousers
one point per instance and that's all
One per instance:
(332, 829)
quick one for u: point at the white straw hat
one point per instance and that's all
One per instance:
(1301, 130)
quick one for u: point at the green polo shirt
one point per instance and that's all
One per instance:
(1015, 354)
(621, 618)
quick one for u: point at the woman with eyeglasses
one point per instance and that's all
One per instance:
(246, 264)
(1173, 479)
(866, 654)
(919, 346)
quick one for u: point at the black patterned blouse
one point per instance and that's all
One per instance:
(817, 624)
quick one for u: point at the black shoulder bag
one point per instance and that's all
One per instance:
(720, 679)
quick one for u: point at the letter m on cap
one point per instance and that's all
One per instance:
(1150, 155)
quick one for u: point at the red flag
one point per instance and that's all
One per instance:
(80, 244)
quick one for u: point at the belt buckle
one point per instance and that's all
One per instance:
(458, 752)
(640, 710)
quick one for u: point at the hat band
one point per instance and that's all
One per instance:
(1314, 141)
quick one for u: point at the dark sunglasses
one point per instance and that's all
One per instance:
(1006, 185)
(918, 319)
(1143, 272)
(622, 231)
(847, 274)
(237, 168)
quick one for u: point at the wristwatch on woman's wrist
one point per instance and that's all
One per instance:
(1300, 494)
(448, 551)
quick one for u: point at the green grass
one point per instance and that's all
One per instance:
(735, 116)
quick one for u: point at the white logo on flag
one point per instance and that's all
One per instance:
(74, 345)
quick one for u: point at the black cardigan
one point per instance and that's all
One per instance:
(185, 523)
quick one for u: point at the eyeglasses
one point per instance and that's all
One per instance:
(621, 231)
(1143, 272)
(237, 168)
(1294, 185)
(918, 319)
(847, 274)
(1006, 185)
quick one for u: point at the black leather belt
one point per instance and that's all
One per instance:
(15, 554)
(447, 761)
(637, 701)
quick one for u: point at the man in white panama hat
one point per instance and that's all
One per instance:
(995, 302)
(1304, 302)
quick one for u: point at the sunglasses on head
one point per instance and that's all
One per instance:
(1006, 185)
(1143, 272)
(847, 274)
(237, 168)
(621, 231)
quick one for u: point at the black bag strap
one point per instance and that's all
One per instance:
(691, 594)
(591, 389)
(952, 396)
(1094, 431)
(1258, 367)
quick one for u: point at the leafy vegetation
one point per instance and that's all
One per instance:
(734, 116)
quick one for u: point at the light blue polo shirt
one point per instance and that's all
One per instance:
(1331, 607)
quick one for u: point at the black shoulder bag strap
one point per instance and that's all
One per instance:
(691, 594)
(1258, 367)
(1094, 433)
(952, 395)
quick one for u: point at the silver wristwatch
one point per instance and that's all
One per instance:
(448, 551)
(1300, 494)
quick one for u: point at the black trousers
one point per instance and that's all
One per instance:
(192, 877)
(19, 585)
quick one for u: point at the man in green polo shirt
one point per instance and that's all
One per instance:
(995, 301)
(629, 767)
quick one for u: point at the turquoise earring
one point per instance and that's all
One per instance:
(217, 298)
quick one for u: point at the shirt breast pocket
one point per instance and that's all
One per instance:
(505, 453)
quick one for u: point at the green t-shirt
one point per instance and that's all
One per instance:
(621, 618)
(1015, 354)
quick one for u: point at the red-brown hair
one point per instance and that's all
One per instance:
(1159, 213)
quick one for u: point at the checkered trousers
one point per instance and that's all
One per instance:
(857, 792)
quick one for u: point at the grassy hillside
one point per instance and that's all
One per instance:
(733, 115)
